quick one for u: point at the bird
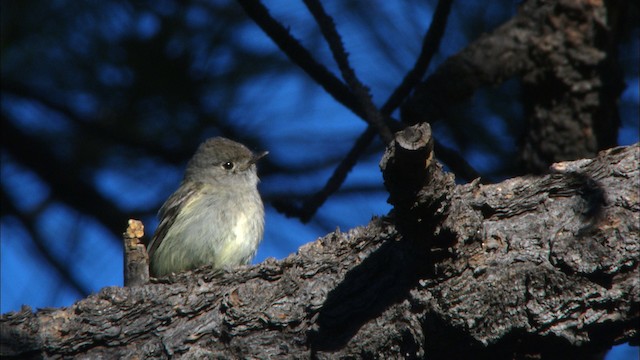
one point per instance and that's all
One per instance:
(215, 217)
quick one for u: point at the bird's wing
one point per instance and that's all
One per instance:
(170, 210)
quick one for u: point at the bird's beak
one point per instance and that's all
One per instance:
(258, 156)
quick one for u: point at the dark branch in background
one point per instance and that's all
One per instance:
(327, 27)
(64, 179)
(310, 206)
(456, 162)
(301, 56)
(462, 74)
(430, 46)
(8, 208)
(369, 189)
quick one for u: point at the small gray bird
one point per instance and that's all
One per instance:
(216, 216)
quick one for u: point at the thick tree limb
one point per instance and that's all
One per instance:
(534, 265)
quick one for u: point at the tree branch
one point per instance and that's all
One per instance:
(301, 56)
(550, 261)
(311, 206)
(430, 45)
(360, 91)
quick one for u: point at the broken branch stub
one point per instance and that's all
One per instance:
(418, 188)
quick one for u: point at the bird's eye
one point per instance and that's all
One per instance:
(228, 165)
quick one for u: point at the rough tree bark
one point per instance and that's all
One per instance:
(533, 266)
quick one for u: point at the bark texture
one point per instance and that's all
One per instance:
(530, 267)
